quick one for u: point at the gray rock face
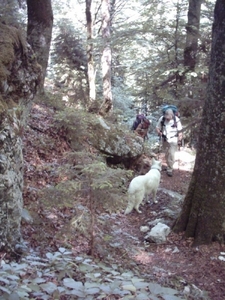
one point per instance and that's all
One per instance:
(19, 75)
(117, 143)
(119, 147)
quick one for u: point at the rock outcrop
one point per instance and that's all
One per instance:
(19, 78)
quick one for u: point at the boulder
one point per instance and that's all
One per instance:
(158, 233)
(118, 143)
(144, 228)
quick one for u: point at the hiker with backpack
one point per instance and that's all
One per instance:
(169, 129)
(141, 125)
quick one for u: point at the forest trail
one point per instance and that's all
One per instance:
(174, 263)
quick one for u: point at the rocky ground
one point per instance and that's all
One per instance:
(196, 272)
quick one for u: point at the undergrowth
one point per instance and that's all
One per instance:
(92, 183)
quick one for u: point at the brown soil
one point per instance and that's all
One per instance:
(174, 263)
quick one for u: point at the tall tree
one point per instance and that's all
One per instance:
(107, 104)
(39, 31)
(203, 212)
(192, 36)
(90, 61)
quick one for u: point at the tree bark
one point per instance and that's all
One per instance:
(192, 36)
(39, 31)
(90, 62)
(203, 212)
(107, 104)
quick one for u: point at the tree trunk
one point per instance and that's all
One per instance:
(179, 78)
(192, 36)
(90, 62)
(107, 104)
(203, 212)
(39, 31)
(19, 76)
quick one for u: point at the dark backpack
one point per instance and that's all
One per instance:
(175, 112)
(137, 121)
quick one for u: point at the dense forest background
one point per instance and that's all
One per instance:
(148, 43)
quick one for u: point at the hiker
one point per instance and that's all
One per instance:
(169, 130)
(141, 125)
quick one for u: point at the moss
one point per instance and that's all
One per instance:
(16, 62)
(13, 40)
(3, 109)
(3, 105)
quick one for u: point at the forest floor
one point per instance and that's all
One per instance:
(195, 271)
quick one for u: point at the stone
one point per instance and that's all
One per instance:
(26, 216)
(118, 144)
(176, 250)
(155, 222)
(144, 228)
(158, 233)
(222, 258)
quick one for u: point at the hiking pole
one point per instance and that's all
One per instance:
(160, 146)
(180, 144)
(179, 157)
